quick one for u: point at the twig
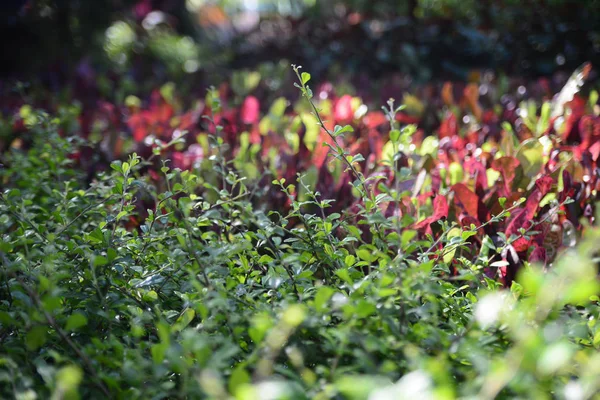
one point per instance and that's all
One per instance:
(320, 122)
(52, 322)
(64, 228)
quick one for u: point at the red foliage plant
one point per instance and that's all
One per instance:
(462, 164)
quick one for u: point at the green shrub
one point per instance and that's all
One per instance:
(118, 289)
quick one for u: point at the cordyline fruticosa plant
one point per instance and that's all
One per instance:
(146, 281)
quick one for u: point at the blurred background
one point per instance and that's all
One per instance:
(196, 40)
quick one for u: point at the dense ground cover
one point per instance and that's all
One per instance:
(266, 241)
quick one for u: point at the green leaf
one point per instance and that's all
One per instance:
(67, 380)
(580, 292)
(133, 101)
(305, 77)
(6, 247)
(365, 255)
(252, 80)
(544, 119)
(278, 107)
(509, 141)
(338, 130)
(96, 236)
(357, 387)
(531, 157)
(100, 261)
(593, 99)
(407, 236)
(429, 146)
(36, 337)
(358, 158)
(158, 352)
(555, 357)
(365, 308)
(51, 303)
(312, 131)
(344, 275)
(116, 165)
(596, 340)
(467, 234)
(294, 315)
(168, 92)
(76, 321)
(323, 295)
(238, 377)
(349, 260)
(456, 173)
(450, 251)
(112, 254)
(150, 296)
(265, 259)
(184, 320)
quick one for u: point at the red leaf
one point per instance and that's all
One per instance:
(471, 97)
(466, 199)
(138, 125)
(567, 186)
(320, 152)
(250, 111)
(142, 8)
(586, 130)
(538, 255)
(375, 143)
(595, 151)
(466, 221)
(189, 120)
(406, 119)
(448, 127)
(518, 220)
(255, 136)
(477, 170)
(440, 210)
(523, 218)
(507, 167)
(440, 207)
(447, 95)
(162, 113)
(572, 132)
(343, 109)
(436, 180)
(544, 185)
(552, 239)
(325, 184)
(374, 119)
(509, 272)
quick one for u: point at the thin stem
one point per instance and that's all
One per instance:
(121, 206)
(83, 212)
(320, 122)
(52, 322)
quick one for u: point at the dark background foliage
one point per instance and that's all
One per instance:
(437, 39)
